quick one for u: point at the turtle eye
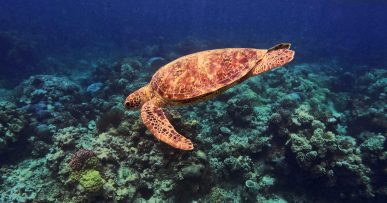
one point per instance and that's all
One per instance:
(127, 104)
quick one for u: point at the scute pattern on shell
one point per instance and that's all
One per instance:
(204, 72)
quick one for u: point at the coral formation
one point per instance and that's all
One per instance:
(91, 180)
(84, 166)
(83, 158)
(288, 132)
(12, 123)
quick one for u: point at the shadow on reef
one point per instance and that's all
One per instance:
(291, 135)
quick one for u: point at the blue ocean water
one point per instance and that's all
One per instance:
(313, 131)
(352, 29)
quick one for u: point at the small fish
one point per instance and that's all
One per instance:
(95, 87)
(155, 61)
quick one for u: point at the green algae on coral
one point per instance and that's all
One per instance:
(126, 174)
(374, 144)
(91, 180)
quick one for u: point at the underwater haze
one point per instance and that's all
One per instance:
(313, 130)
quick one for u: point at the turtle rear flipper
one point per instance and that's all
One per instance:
(280, 46)
(276, 56)
(155, 120)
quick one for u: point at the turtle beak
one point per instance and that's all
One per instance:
(132, 101)
(137, 98)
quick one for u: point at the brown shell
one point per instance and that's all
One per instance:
(204, 72)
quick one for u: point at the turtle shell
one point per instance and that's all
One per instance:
(203, 73)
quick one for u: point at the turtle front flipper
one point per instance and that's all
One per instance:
(276, 56)
(155, 120)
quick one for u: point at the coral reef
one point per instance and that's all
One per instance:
(28, 181)
(83, 159)
(12, 123)
(91, 181)
(48, 97)
(84, 170)
(288, 132)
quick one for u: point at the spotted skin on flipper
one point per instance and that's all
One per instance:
(275, 57)
(155, 120)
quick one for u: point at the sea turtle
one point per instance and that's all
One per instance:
(197, 77)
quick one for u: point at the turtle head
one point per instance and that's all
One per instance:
(138, 98)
